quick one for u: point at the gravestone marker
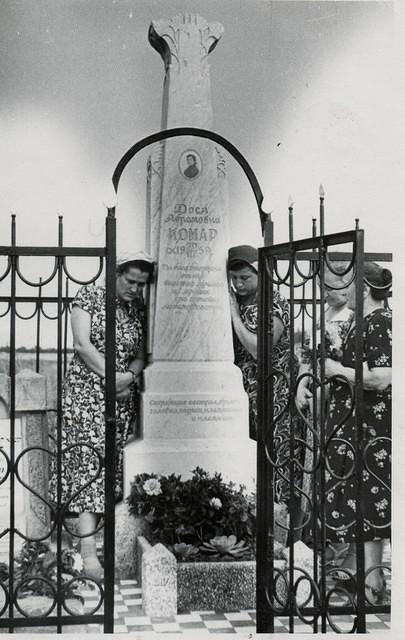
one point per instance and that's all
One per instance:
(194, 408)
(19, 513)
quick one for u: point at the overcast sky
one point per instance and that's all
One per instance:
(308, 91)
(305, 90)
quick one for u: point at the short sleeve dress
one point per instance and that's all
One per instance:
(83, 427)
(336, 329)
(281, 361)
(341, 493)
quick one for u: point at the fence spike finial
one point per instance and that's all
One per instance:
(290, 219)
(110, 200)
(321, 210)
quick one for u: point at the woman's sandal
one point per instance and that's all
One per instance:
(373, 595)
(343, 574)
(334, 554)
(347, 583)
(377, 596)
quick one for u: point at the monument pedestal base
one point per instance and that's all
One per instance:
(193, 414)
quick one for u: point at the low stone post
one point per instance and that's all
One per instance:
(159, 582)
(30, 406)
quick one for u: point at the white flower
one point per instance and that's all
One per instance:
(77, 562)
(72, 561)
(215, 503)
(152, 487)
(381, 506)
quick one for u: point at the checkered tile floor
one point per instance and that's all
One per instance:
(129, 618)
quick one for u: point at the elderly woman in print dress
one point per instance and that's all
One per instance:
(338, 318)
(84, 396)
(341, 497)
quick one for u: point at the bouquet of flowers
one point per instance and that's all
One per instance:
(196, 518)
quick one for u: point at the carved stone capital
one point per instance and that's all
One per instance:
(176, 40)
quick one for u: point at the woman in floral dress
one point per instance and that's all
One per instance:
(338, 318)
(242, 267)
(340, 482)
(83, 431)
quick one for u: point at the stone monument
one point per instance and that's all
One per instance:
(31, 514)
(194, 410)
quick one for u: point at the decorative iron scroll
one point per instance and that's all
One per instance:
(294, 445)
(40, 584)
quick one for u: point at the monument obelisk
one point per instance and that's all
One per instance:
(194, 410)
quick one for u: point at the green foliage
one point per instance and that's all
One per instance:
(193, 511)
(3, 572)
(184, 551)
(36, 570)
(226, 546)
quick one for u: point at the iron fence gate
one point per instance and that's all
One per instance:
(294, 446)
(36, 529)
(12, 615)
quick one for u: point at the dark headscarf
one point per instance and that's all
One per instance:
(379, 279)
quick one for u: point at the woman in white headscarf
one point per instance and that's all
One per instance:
(83, 427)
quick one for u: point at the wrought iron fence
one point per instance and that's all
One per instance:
(296, 445)
(39, 583)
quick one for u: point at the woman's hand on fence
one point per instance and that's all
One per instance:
(302, 396)
(123, 395)
(122, 381)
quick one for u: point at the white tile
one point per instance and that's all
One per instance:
(129, 592)
(238, 615)
(188, 617)
(137, 620)
(132, 601)
(217, 624)
(120, 607)
(120, 628)
(130, 582)
(370, 617)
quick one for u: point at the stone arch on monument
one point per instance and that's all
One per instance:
(201, 133)
(193, 407)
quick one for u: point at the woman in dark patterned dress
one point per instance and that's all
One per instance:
(84, 398)
(341, 493)
(242, 267)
